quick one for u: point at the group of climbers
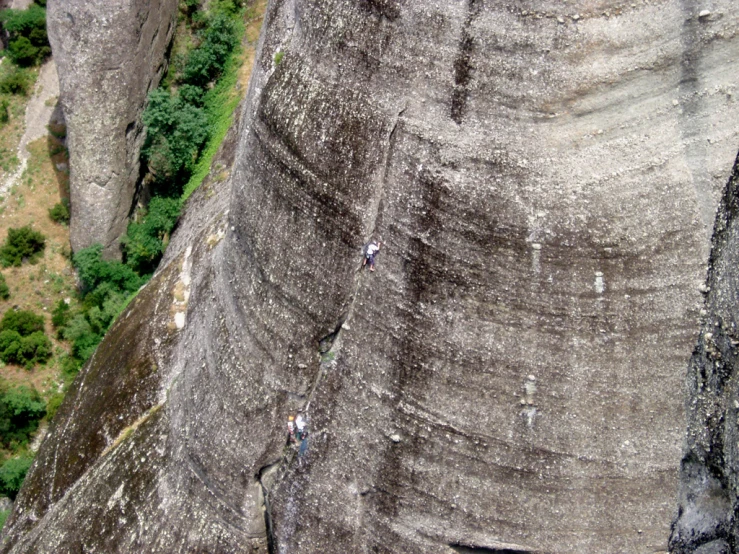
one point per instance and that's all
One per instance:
(297, 426)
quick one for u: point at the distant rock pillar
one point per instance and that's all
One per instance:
(110, 54)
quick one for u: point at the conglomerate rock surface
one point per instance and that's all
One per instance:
(543, 177)
(109, 54)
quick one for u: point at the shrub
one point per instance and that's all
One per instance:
(175, 131)
(20, 244)
(4, 289)
(192, 95)
(94, 271)
(29, 42)
(22, 52)
(60, 212)
(22, 339)
(206, 62)
(21, 408)
(61, 314)
(23, 22)
(145, 242)
(4, 114)
(12, 474)
(16, 81)
(25, 351)
(84, 340)
(24, 322)
(278, 57)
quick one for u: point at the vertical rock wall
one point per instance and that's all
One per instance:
(510, 379)
(109, 55)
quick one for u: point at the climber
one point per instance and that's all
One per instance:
(369, 256)
(300, 423)
(291, 429)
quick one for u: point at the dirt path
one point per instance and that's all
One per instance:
(39, 113)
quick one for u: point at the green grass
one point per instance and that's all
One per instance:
(220, 103)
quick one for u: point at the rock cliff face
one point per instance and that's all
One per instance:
(510, 379)
(109, 54)
(709, 484)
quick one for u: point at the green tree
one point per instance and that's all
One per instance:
(23, 322)
(15, 81)
(145, 241)
(22, 339)
(29, 42)
(22, 243)
(12, 474)
(93, 271)
(175, 132)
(60, 212)
(21, 408)
(61, 314)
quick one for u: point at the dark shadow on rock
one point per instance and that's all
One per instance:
(56, 143)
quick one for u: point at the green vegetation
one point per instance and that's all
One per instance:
(176, 129)
(22, 339)
(278, 57)
(4, 290)
(15, 80)
(145, 241)
(106, 287)
(29, 43)
(12, 474)
(4, 114)
(21, 409)
(60, 212)
(21, 244)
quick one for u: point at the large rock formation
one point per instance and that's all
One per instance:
(110, 54)
(509, 380)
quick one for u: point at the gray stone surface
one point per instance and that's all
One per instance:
(510, 379)
(709, 477)
(109, 54)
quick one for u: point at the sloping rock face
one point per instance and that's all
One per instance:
(709, 477)
(109, 54)
(510, 379)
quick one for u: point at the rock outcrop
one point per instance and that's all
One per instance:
(510, 379)
(109, 54)
(709, 477)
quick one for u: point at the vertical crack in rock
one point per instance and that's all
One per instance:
(462, 65)
(472, 549)
(264, 476)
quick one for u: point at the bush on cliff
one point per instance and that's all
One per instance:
(175, 131)
(146, 240)
(106, 285)
(206, 62)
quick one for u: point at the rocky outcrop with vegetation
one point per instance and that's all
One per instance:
(109, 55)
(543, 178)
